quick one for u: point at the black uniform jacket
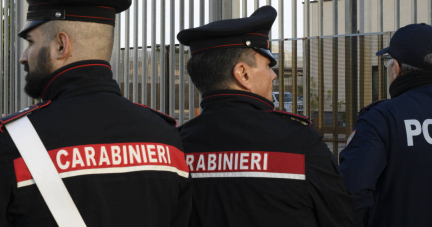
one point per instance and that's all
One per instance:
(254, 166)
(122, 163)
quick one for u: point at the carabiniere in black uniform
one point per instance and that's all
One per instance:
(86, 125)
(251, 164)
(255, 166)
(122, 163)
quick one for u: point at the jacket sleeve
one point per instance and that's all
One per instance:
(332, 203)
(7, 177)
(183, 207)
(363, 161)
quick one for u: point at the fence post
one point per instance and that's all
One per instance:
(351, 64)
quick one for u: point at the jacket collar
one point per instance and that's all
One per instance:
(80, 78)
(235, 98)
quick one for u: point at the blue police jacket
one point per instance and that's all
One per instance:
(387, 164)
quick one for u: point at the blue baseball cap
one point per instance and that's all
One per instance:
(411, 45)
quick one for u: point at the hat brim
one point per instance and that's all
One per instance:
(266, 53)
(382, 52)
(30, 25)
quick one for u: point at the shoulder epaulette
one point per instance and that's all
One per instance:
(22, 113)
(302, 119)
(166, 117)
(368, 107)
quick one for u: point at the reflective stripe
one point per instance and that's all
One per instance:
(250, 174)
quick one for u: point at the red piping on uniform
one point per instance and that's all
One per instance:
(158, 112)
(46, 104)
(18, 116)
(105, 7)
(90, 17)
(38, 107)
(256, 34)
(219, 46)
(69, 70)
(240, 95)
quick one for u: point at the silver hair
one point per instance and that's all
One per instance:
(410, 69)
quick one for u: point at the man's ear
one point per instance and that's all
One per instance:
(242, 76)
(62, 46)
(397, 69)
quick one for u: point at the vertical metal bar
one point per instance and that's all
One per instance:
(335, 101)
(172, 60)
(361, 16)
(162, 57)
(256, 5)
(202, 15)
(380, 46)
(281, 58)
(21, 45)
(227, 9)
(2, 75)
(397, 14)
(414, 11)
(6, 58)
(351, 64)
(12, 84)
(320, 67)
(321, 84)
(430, 12)
(269, 2)
(118, 70)
(244, 8)
(306, 62)
(380, 15)
(294, 57)
(380, 69)
(135, 63)
(153, 56)
(320, 18)
(335, 64)
(181, 68)
(144, 72)
(386, 85)
(191, 85)
(126, 62)
(115, 57)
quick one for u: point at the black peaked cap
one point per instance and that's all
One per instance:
(97, 11)
(246, 32)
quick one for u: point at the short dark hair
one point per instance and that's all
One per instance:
(213, 70)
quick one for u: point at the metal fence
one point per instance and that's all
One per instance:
(328, 77)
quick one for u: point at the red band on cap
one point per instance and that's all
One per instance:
(256, 34)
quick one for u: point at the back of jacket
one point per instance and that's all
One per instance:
(253, 166)
(387, 163)
(122, 163)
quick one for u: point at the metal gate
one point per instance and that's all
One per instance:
(329, 78)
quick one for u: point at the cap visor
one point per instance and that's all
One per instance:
(29, 26)
(383, 51)
(266, 53)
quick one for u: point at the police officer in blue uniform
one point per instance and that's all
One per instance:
(251, 164)
(387, 161)
(122, 163)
